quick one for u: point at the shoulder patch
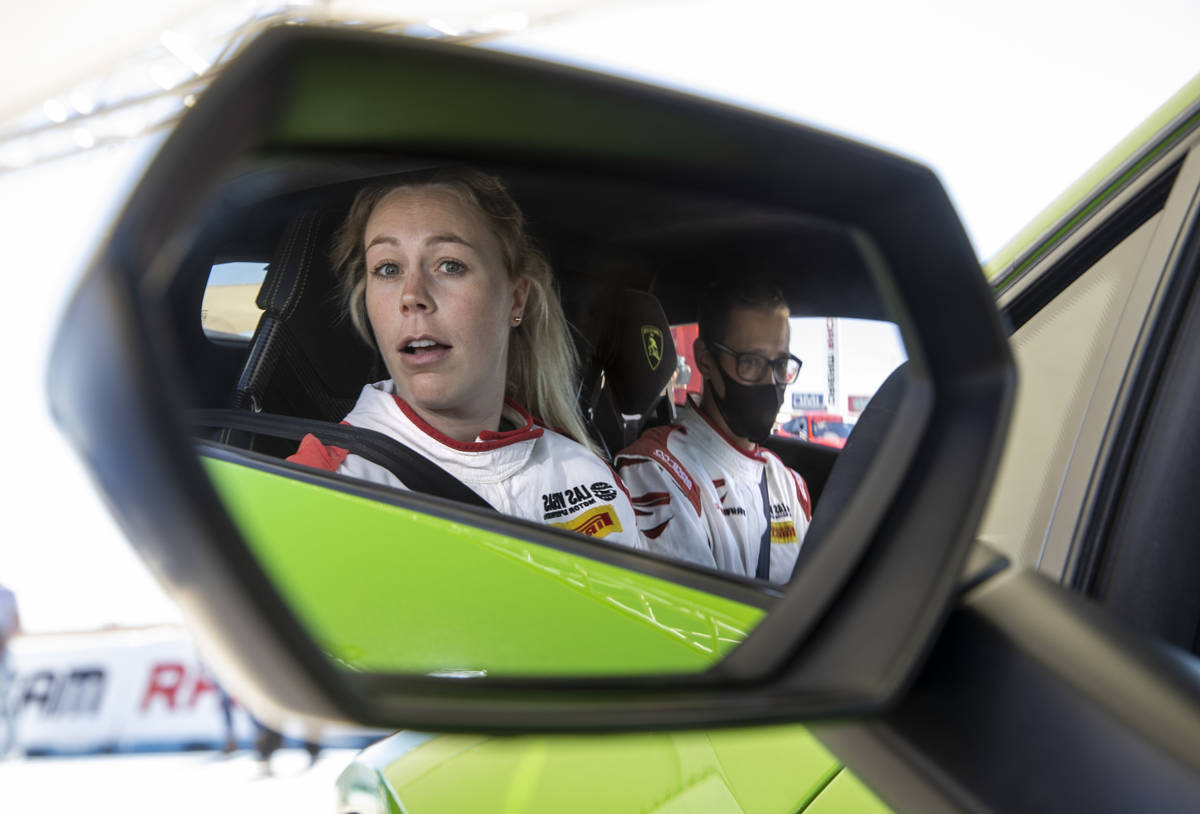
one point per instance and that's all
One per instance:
(651, 439)
(652, 447)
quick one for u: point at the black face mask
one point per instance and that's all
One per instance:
(749, 409)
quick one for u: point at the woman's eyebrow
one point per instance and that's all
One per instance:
(449, 237)
(383, 239)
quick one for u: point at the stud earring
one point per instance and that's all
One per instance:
(517, 319)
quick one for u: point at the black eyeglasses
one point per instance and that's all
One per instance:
(751, 366)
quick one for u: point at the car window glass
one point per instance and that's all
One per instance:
(229, 310)
(1060, 352)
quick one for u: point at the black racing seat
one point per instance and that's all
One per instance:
(626, 371)
(852, 462)
(305, 358)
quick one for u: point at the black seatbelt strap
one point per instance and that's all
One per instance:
(764, 547)
(413, 469)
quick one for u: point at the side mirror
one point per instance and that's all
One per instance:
(337, 599)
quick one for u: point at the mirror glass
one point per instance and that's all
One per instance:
(540, 337)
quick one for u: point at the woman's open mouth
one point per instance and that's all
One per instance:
(420, 352)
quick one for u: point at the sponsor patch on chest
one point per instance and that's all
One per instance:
(571, 500)
(598, 522)
(784, 532)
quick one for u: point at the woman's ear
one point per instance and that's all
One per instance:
(520, 297)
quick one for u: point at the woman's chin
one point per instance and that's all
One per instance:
(431, 402)
(434, 400)
(434, 396)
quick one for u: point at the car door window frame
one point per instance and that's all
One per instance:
(1059, 551)
(1137, 551)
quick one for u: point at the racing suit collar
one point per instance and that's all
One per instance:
(755, 454)
(527, 429)
(706, 441)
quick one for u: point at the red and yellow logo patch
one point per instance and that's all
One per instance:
(598, 522)
(783, 532)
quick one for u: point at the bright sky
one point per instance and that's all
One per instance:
(867, 351)
(1008, 102)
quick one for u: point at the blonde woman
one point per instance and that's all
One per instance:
(439, 274)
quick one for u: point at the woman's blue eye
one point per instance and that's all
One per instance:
(387, 269)
(452, 267)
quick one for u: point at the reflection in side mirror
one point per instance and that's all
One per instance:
(327, 591)
(439, 594)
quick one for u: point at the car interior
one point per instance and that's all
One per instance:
(625, 254)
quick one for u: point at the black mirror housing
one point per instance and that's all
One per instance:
(854, 624)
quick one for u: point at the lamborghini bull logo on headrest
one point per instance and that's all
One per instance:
(652, 343)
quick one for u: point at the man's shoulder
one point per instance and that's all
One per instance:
(655, 446)
(655, 438)
(772, 458)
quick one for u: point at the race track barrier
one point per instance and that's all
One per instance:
(126, 690)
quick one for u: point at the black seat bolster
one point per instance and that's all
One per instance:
(305, 358)
(854, 459)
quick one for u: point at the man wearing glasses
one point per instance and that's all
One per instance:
(703, 489)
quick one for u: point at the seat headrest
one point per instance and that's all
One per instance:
(641, 353)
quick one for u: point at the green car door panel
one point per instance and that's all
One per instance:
(373, 584)
(740, 771)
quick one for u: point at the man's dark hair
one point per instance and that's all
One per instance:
(722, 296)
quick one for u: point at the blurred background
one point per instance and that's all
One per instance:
(1008, 103)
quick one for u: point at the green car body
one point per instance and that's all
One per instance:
(594, 618)
(585, 610)
(737, 770)
(560, 613)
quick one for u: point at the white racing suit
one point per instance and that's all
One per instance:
(530, 472)
(698, 497)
